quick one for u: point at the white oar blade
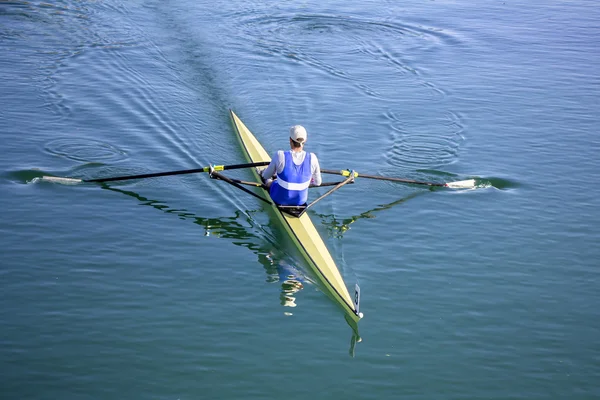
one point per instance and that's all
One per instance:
(58, 179)
(467, 184)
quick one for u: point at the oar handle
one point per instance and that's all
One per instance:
(381, 178)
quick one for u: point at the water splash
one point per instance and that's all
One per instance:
(35, 175)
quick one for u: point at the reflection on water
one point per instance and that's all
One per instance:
(337, 227)
(276, 263)
(246, 233)
(355, 335)
(279, 268)
(291, 278)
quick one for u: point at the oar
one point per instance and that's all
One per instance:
(58, 179)
(350, 179)
(217, 175)
(467, 184)
(257, 184)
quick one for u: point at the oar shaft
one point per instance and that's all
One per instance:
(217, 175)
(382, 178)
(142, 176)
(256, 184)
(350, 179)
(402, 180)
(180, 172)
(241, 182)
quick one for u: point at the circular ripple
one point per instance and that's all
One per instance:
(434, 144)
(87, 150)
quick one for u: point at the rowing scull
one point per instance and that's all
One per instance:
(302, 231)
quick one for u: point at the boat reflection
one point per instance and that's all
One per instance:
(291, 278)
(355, 335)
(278, 266)
(243, 231)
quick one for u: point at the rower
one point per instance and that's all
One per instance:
(296, 170)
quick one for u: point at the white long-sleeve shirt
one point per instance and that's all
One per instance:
(278, 163)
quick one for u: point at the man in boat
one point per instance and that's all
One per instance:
(296, 170)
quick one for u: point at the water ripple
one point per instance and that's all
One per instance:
(86, 150)
(439, 145)
(52, 35)
(351, 40)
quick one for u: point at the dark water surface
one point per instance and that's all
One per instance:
(173, 288)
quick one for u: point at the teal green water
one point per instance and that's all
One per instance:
(173, 287)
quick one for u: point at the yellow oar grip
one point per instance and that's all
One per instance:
(215, 168)
(347, 172)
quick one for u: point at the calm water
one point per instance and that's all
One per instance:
(173, 288)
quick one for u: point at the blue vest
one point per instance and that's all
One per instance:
(291, 186)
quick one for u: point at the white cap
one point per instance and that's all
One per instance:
(298, 134)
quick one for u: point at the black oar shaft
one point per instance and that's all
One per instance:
(169, 173)
(255, 184)
(383, 178)
(324, 184)
(350, 179)
(217, 175)
(142, 176)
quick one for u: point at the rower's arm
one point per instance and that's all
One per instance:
(275, 166)
(316, 170)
